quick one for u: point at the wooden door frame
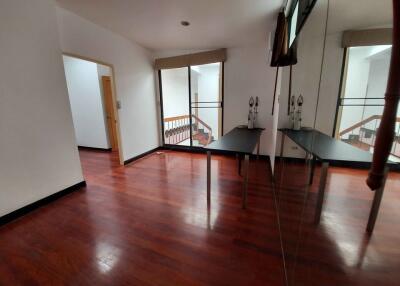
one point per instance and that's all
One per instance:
(106, 81)
(113, 95)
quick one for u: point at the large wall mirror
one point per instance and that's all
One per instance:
(343, 53)
(301, 81)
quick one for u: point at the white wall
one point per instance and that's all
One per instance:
(247, 73)
(134, 78)
(38, 154)
(87, 103)
(330, 83)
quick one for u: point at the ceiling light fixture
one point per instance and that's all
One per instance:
(185, 23)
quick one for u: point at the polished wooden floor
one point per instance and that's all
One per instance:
(338, 251)
(147, 224)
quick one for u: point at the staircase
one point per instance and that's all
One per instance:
(363, 134)
(202, 137)
(177, 131)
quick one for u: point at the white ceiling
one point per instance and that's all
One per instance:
(155, 24)
(359, 14)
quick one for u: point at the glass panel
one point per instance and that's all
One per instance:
(294, 189)
(362, 102)
(206, 103)
(339, 241)
(175, 96)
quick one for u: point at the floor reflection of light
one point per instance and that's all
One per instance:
(107, 256)
(197, 213)
(197, 217)
(346, 238)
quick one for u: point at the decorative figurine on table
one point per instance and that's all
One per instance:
(253, 111)
(250, 116)
(292, 110)
(297, 121)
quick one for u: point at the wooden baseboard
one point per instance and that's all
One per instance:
(94, 149)
(29, 208)
(126, 162)
(343, 164)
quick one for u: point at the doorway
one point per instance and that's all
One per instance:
(192, 104)
(91, 93)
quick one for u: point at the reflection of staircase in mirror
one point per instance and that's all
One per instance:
(363, 134)
(177, 131)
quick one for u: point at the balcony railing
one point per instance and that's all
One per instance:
(177, 130)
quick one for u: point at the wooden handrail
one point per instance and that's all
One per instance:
(169, 119)
(363, 122)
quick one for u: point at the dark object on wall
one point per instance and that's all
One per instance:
(281, 54)
(305, 8)
(276, 83)
(385, 135)
(284, 54)
(281, 39)
(290, 89)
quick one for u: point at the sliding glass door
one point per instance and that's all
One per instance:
(206, 95)
(192, 101)
(175, 106)
(360, 106)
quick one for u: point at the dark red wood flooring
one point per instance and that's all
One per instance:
(338, 251)
(147, 224)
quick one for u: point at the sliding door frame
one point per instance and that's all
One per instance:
(161, 107)
(160, 88)
(342, 86)
(190, 105)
